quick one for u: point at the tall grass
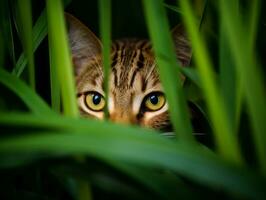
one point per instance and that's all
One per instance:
(43, 142)
(168, 67)
(247, 69)
(105, 30)
(61, 56)
(24, 19)
(226, 141)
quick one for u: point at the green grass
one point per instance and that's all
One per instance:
(24, 23)
(44, 142)
(60, 56)
(168, 67)
(247, 69)
(105, 32)
(39, 31)
(225, 140)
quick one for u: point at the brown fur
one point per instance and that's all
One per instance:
(133, 75)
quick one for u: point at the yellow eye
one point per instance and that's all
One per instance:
(154, 101)
(94, 101)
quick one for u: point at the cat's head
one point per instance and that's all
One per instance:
(135, 92)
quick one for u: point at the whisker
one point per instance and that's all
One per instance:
(172, 134)
(169, 134)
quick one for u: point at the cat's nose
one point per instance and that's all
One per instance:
(125, 118)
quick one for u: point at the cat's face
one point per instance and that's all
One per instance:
(135, 94)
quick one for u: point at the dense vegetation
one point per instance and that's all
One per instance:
(48, 152)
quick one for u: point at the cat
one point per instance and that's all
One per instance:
(135, 92)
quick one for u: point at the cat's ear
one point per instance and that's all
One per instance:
(83, 43)
(182, 45)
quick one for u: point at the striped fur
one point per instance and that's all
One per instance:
(133, 76)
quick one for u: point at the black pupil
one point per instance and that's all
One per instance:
(154, 99)
(96, 99)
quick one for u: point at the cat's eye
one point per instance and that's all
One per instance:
(154, 101)
(94, 101)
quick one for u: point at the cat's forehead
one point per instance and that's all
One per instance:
(132, 68)
(128, 53)
(132, 62)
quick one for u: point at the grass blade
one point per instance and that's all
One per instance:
(61, 56)
(250, 77)
(31, 99)
(25, 29)
(230, 84)
(192, 74)
(61, 61)
(173, 8)
(168, 67)
(226, 141)
(105, 31)
(39, 32)
(6, 30)
(254, 17)
(55, 85)
(128, 145)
